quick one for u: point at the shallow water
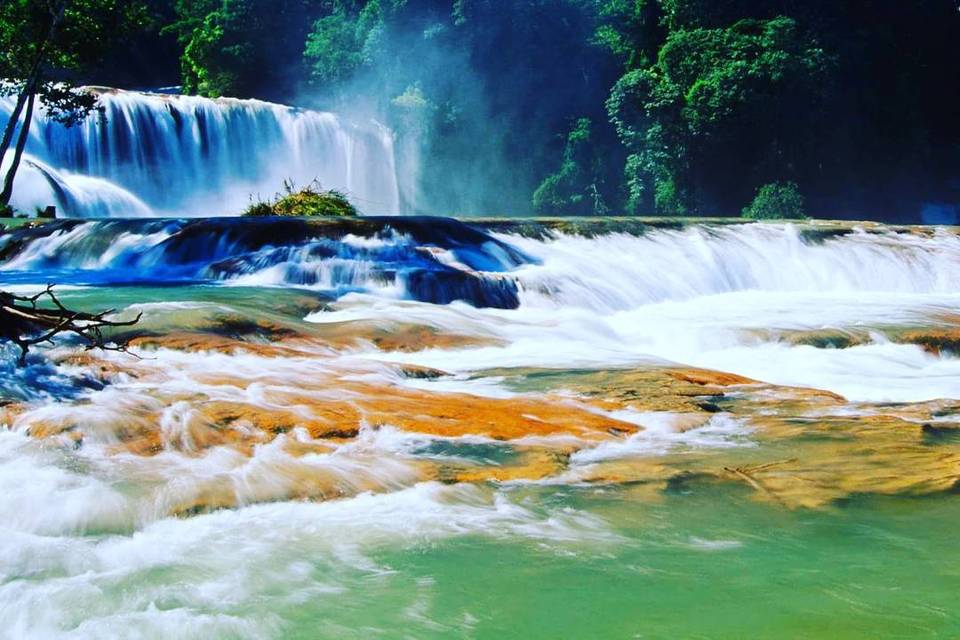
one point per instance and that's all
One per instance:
(270, 462)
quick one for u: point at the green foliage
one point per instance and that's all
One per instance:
(691, 103)
(775, 201)
(723, 74)
(85, 31)
(576, 189)
(631, 30)
(717, 108)
(310, 201)
(341, 42)
(412, 99)
(679, 15)
(52, 41)
(412, 113)
(243, 48)
(45, 43)
(635, 184)
(444, 74)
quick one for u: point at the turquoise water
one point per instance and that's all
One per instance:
(705, 564)
(708, 565)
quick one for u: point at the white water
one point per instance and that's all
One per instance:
(718, 298)
(149, 154)
(617, 272)
(723, 298)
(83, 556)
(87, 545)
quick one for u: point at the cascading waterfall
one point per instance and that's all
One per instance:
(150, 154)
(620, 272)
(606, 274)
(719, 297)
(432, 260)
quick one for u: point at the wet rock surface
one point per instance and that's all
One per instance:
(640, 426)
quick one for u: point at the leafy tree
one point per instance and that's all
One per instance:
(630, 29)
(854, 100)
(777, 200)
(720, 109)
(341, 43)
(45, 44)
(242, 48)
(578, 188)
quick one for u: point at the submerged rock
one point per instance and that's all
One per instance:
(444, 287)
(934, 340)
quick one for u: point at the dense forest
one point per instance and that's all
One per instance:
(590, 107)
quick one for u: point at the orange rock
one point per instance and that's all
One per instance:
(392, 336)
(450, 414)
(705, 377)
(811, 450)
(215, 343)
(934, 340)
(9, 413)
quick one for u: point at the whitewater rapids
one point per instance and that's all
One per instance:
(394, 427)
(722, 297)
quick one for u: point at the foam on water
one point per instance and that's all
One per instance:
(617, 272)
(662, 432)
(438, 260)
(223, 573)
(39, 379)
(87, 542)
(88, 547)
(716, 298)
(40, 185)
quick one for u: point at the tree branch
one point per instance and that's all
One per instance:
(26, 323)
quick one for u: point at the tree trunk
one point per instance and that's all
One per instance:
(12, 123)
(28, 96)
(18, 153)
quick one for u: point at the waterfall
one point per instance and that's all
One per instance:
(433, 260)
(619, 271)
(440, 260)
(167, 155)
(750, 299)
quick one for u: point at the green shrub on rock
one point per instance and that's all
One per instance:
(310, 201)
(776, 201)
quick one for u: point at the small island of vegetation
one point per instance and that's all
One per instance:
(309, 201)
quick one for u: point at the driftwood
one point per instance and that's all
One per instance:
(747, 475)
(30, 320)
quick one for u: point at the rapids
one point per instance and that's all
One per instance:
(411, 427)
(150, 154)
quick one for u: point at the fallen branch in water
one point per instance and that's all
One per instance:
(26, 323)
(747, 475)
